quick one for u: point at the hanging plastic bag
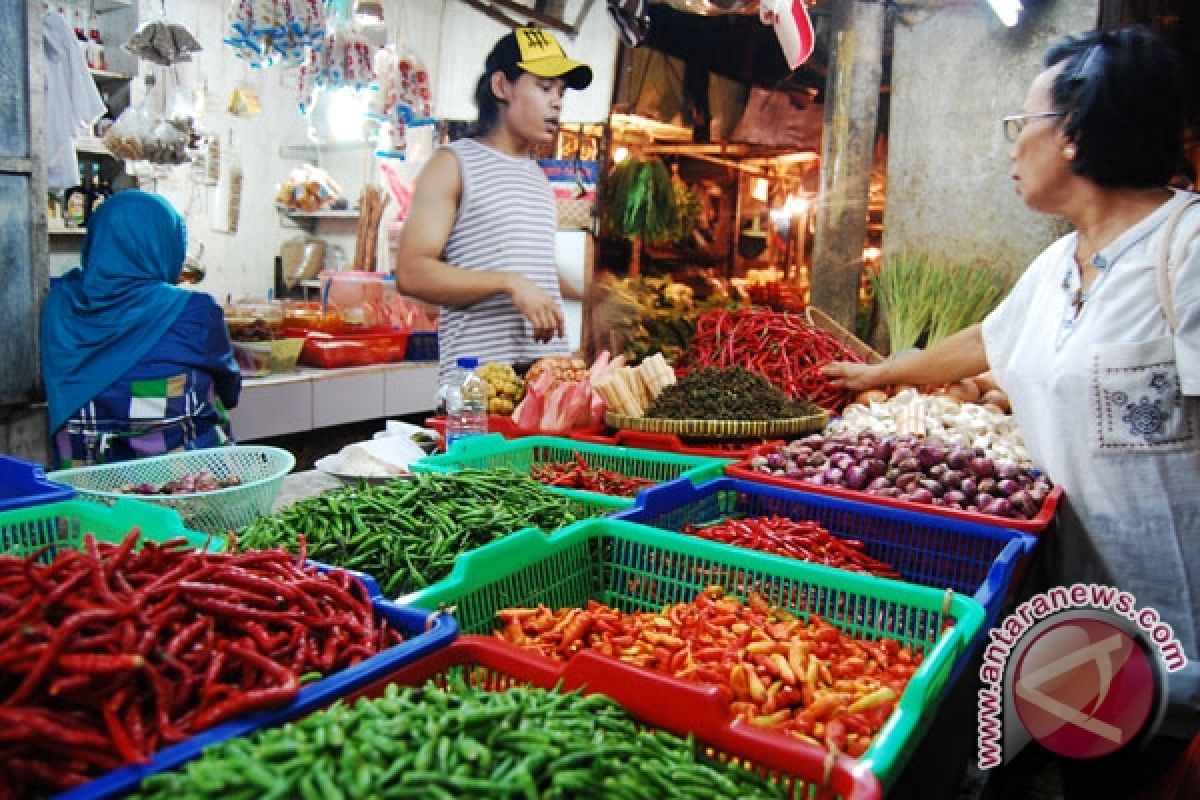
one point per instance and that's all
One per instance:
(163, 42)
(405, 98)
(268, 32)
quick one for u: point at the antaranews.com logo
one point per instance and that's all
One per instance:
(1081, 669)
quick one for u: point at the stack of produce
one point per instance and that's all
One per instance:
(783, 348)
(918, 469)
(406, 534)
(629, 391)
(646, 315)
(111, 654)
(731, 393)
(965, 424)
(434, 741)
(504, 388)
(806, 679)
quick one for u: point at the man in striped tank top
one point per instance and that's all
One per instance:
(479, 238)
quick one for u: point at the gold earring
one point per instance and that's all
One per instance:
(1069, 152)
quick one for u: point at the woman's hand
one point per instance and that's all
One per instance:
(850, 375)
(543, 313)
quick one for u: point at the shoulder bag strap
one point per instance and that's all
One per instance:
(1166, 296)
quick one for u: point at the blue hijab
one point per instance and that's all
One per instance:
(99, 320)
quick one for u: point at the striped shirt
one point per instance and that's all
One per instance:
(505, 221)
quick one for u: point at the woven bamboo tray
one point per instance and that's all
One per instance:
(721, 428)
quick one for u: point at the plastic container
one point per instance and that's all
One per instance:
(1039, 523)
(260, 469)
(331, 351)
(253, 358)
(23, 483)
(974, 559)
(464, 397)
(62, 525)
(521, 455)
(634, 567)
(423, 634)
(357, 296)
(657, 701)
(254, 320)
(422, 346)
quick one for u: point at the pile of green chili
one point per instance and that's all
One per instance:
(726, 393)
(429, 743)
(407, 533)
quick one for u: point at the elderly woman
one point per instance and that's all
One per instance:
(1102, 368)
(133, 365)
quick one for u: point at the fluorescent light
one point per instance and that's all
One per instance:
(620, 154)
(1006, 10)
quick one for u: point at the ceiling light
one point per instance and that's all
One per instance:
(1006, 10)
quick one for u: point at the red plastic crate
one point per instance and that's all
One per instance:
(1039, 523)
(655, 700)
(506, 427)
(670, 443)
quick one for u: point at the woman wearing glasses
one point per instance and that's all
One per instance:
(1103, 369)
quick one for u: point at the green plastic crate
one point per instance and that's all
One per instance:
(521, 455)
(633, 567)
(63, 525)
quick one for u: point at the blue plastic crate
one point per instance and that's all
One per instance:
(424, 634)
(971, 558)
(23, 484)
(422, 346)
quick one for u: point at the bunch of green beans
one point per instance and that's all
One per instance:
(465, 742)
(407, 533)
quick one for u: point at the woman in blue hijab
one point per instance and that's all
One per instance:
(133, 365)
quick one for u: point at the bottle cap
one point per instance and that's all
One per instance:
(468, 362)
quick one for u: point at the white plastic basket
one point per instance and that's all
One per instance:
(260, 470)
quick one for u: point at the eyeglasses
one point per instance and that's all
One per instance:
(1016, 123)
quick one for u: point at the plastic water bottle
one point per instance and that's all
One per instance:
(466, 403)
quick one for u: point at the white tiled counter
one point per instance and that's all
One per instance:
(317, 398)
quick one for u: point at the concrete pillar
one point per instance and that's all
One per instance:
(851, 112)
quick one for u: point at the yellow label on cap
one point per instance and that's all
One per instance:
(535, 43)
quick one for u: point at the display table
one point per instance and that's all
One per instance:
(308, 398)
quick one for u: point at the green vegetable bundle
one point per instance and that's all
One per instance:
(406, 534)
(639, 200)
(725, 393)
(466, 742)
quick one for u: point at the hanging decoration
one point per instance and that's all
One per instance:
(268, 32)
(793, 27)
(404, 100)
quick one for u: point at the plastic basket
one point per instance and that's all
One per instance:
(1039, 523)
(423, 634)
(671, 443)
(521, 455)
(634, 567)
(422, 346)
(260, 469)
(23, 483)
(968, 557)
(655, 700)
(62, 525)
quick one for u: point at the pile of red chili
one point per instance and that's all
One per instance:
(108, 654)
(806, 679)
(801, 539)
(578, 474)
(783, 348)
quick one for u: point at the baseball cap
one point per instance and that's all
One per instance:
(538, 53)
